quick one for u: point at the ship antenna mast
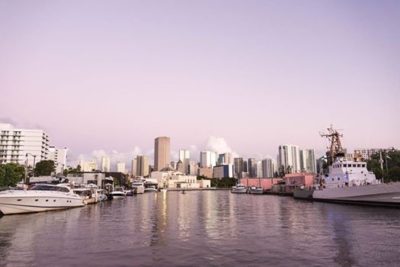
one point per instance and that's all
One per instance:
(335, 149)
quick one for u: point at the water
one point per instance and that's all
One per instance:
(210, 228)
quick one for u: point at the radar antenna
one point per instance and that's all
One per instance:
(335, 149)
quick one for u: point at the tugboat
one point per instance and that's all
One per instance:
(349, 181)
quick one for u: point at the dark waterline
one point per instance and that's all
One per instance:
(203, 229)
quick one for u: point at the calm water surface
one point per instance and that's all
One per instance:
(210, 228)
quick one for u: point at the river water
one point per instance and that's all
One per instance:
(203, 228)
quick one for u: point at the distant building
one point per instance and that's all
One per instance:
(365, 154)
(206, 172)
(307, 161)
(193, 168)
(161, 152)
(59, 156)
(142, 166)
(184, 157)
(22, 145)
(289, 158)
(268, 168)
(238, 167)
(105, 164)
(88, 166)
(259, 173)
(121, 167)
(208, 159)
(133, 167)
(225, 158)
(223, 171)
(252, 167)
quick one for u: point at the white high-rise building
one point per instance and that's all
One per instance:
(22, 145)
(289, 158)
(268, 168)
(88, 166)
(184, 157)
(259, 172)
(208, 159)
(121, 167)
(105, 164)
(307, 160)
(59, 156)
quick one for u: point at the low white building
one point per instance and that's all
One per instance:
(176, 180)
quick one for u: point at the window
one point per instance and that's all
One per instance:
(358, 165)
(345, 165)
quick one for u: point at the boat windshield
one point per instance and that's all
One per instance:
(50, 188)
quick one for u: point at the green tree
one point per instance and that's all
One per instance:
(391, 165)
(11, 174)
(44, 168)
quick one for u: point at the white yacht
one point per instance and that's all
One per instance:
(239, 189)
(138, 187)
(151, 188)
(41, 197)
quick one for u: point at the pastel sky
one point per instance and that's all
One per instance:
(113, 75)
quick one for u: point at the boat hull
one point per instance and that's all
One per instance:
(20, 204)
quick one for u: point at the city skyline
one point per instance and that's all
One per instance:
(247, 76)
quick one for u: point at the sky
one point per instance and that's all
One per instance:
(245, 76)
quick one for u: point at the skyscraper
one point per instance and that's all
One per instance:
(238, 167)
(207, 159)
(105, 164)
(307, 160)
(142, 166)
(267, 168)
(184, 157)
(289, 158)
(252, 167)
(161, 152)
(121, 167)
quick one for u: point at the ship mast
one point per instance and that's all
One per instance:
(335, 149)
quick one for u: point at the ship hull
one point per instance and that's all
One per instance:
(372, 195)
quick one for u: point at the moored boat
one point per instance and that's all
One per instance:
(239, 189)
(257, 190)
(41, 197)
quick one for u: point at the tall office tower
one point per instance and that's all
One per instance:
(289, 158)
(267, 168)
(307, 160)
(238, 167)
(184, 156)
(252, 167)
(23, 146)
(259, 169)
(133, 167)
(59, 156)
(121, 167)
(245, 167)
(225, 158)
(207, 159)
(161, 152)
(105, 164)
(142, 166)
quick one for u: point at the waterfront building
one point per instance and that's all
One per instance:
(59, 156)
(121, 167)
(223, 171)
(208, 159)
(22, 146)
(289, 158)
(161, 152)
(268, 168)
(88, 166)
(259, 173)
(307, 161)
(177, 180)
(252, 167)
(142, 166)
(238, 167)
(105, 164)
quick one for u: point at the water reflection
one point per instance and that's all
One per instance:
(202, 228)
